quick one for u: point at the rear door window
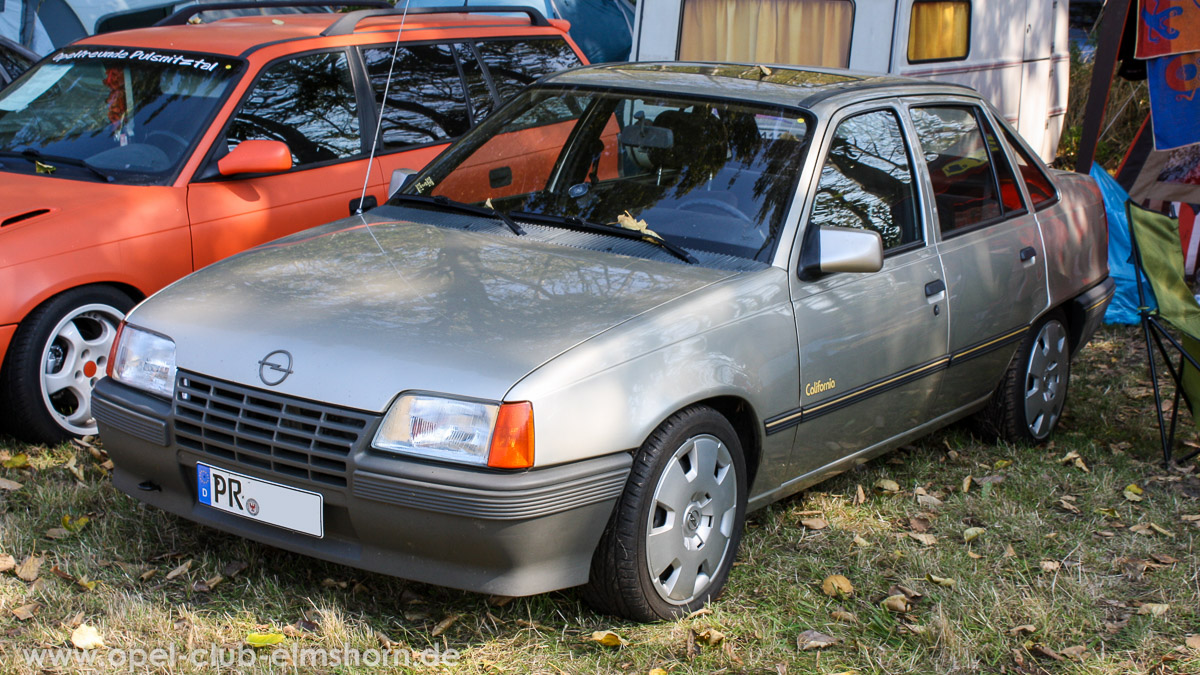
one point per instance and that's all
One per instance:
(426, 101)
(514, 64)
(308, 103)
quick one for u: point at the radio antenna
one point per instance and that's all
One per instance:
(387, 87)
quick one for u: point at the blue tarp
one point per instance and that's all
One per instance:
(1124, 306)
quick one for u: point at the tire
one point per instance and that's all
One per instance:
(672, 538)
(55, 358)
(1029, 401)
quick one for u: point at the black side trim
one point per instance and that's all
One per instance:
(988, 345)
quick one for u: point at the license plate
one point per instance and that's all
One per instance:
(264, 501)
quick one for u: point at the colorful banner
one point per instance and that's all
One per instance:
(1167, 27)
(1173, 83)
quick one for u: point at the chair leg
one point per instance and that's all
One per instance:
(1162, 427)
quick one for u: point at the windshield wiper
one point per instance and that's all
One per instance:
(581, 225)
(38, 158)
(463, 207)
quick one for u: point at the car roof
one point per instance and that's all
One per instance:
(781, 85)
(239, 36)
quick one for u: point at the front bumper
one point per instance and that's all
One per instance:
(508, 533)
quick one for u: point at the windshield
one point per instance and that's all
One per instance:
(706, 175)
(129, 115)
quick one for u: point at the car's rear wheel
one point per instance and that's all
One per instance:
(671, 541)
(1029, 401)
(56, 356)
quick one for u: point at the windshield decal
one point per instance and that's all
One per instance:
(173, 59)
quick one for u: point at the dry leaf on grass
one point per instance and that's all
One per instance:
(148, 574)
(926, 539)
(58, 533)
(233, 569)
(257, 640)
(7, 562)
(26, 612)
(811, 639)
(206, 585)
(860, 496)
(844, 617)
(860, 542)
(444, 624)
(1133, 493)
(1073, 653)
(1193, 642)
(710, 637)
(1002, 464)
(836, 586)
(887, 485)
(1153, 608)
(928, 500)
(608, 638)
(1073, 458)
(895, 603)
(1051, 565)
(1022, 629)
(918, 524)
(814, 523)
(966, 484)
(973, 554)
(182, 569)
(972, 533)
(940, 581)
(20, 461)
(1068, 506)
(86, 637)
(6, 484)
(1108, 513)
(657, 671)
(1164, 559)
(28, 570)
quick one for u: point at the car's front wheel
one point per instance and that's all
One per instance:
(671, 541)
(55, 358)
(1029, 402)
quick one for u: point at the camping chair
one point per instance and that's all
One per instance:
(1158, 257)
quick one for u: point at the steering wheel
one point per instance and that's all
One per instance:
(171, 136)
(725, 207)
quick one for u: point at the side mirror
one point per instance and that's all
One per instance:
(400, 178)
(256, 157)
(848, 249)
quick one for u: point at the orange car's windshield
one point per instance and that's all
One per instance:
(116, 113)
(705, 174)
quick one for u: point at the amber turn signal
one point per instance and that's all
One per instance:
(512, 439)
(112, 351)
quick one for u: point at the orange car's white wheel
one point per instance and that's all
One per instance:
(57, 355)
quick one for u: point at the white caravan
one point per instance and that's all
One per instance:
(1013, 51)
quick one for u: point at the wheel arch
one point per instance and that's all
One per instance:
(745, 423)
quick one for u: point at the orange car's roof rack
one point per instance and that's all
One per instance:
(349, 21)
(181, 17)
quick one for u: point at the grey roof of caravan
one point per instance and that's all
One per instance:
(781, 85)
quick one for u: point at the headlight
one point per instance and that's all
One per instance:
(144, 360)
(456, 430)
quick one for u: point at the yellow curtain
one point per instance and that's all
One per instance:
(939, 30)
(792, 32)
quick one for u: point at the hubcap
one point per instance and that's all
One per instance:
(1045, 379)
(691, 519)
(74, 358)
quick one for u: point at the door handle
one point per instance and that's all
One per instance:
(934, 287)
(1028, 253)
(367, 204)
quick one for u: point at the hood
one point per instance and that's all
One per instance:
(368, 312)
(41, 216)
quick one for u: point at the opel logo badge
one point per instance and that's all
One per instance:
(275, 367)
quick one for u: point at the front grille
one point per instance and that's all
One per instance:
(287, 436)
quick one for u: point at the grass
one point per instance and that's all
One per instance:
(1059, 554)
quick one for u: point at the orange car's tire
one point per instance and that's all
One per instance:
(55, 358)
(670, 543)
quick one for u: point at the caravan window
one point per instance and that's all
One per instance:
(939, 30)
(794, 32)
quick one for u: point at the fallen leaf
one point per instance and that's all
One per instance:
(85, 584)
(811, 639)
(836, 586)
(1193, 642)
(1153, 608)
(972, 533)
(918, 524)
(443, 625)
(1046, 651)
(928, 500)
(1164, 559)
(1108, 513)
(6, 484)
(62, 574)
(145, 576)
(26, 612)
(1022, 629)
(657, 671)
(257, 640)
(182, 569)
(206, 585)
(940, 581)
(860, 542)
(28, 570)
(1073, 653)
(627, 221)
(57, 533)
(7, 562)
(20, 461)
(1002, 464)
(966, 484)
(1160, 530)
(895, 603)
(73, 468)
(703, 611)
(608, 638)
(1190, 518)
(1068, 506)
(76, 524)
(844, 617)
(860, 496)
(1133, 493)
(814, 523)
(926, 539)
(86, 637)
(710, 637)
(1051, 565)
(233, 569)
(887, 485)
(973, 554)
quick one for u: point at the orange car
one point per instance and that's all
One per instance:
(131, 159)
